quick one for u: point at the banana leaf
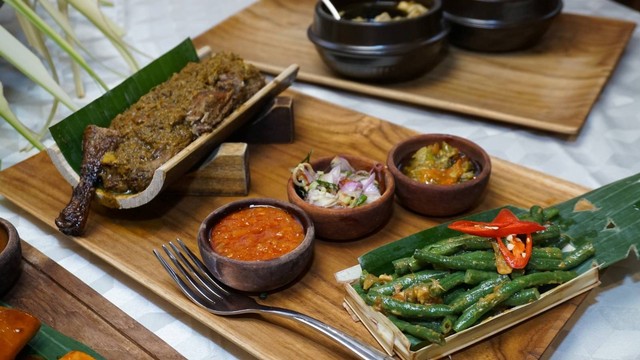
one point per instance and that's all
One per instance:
(49, 343)
(608, 216)
(68, 132)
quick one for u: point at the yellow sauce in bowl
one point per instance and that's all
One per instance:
(439, 163)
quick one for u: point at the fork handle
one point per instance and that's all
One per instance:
(362, 350)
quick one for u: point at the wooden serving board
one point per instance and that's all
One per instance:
(551, 87)
(59, 299)
(125, 238)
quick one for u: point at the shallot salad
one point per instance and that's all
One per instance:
(340, 187)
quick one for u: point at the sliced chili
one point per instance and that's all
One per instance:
(504, 225)
(519, 256)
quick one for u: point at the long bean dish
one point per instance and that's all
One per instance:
(456, 282)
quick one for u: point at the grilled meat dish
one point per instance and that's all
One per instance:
(172, 115)
(159, 125)
(96, 142)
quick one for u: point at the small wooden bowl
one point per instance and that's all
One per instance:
(439, 200)
(10, 256)
(346, 224)
(257, 276)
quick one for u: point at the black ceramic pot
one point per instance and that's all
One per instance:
(379, 51)
(499, 25)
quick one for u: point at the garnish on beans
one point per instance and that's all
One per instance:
(505, 226)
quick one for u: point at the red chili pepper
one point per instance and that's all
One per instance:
(504, 224)
(519, 256)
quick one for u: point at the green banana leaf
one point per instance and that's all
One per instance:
(68, 132)
(48, 343)
(613, 225)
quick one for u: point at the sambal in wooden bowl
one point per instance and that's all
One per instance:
(257, 244)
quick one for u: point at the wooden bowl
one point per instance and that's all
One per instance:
(257, 276)
(433, 199)
(10, 256)
(346, 224)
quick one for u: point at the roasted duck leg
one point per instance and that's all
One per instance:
(96, 142)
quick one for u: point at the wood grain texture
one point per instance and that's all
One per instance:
(125, 238)
(62, 301)
(226, 172)
(551, 87)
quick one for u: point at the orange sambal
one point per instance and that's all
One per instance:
(256, 233)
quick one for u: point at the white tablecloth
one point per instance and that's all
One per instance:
(606, 149)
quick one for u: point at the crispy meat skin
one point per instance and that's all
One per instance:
(155, 128)
(96, 141)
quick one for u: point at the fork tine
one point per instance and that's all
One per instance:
(203, 269)
(178, 280)
(196, 285)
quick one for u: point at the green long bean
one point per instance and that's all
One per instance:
(418, 331)
(463, 242)
(406, 281)
(403, 309)
(523, 297)
(476, 293)
(447, 283)
(443, 326)
(474, 277)
(501, 293)
(443, 247)
(547, 253)
(451, 296)
(455, 262)
(571, 260)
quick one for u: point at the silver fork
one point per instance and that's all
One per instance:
(197, 283)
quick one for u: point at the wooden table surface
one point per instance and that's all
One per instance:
(551, 86)
(125, 238)
(59, 299)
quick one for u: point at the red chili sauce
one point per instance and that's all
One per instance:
(256, 233)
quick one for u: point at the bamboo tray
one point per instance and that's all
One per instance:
(551, 87)
(394, 341)
(125, 238)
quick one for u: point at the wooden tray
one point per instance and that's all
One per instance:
(62, 301)
(125, 238)
(551, 87)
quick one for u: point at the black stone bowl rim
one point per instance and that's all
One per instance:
(328, 21)
(378, 50)
(499, 24)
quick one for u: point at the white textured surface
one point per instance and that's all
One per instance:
(607, 149)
